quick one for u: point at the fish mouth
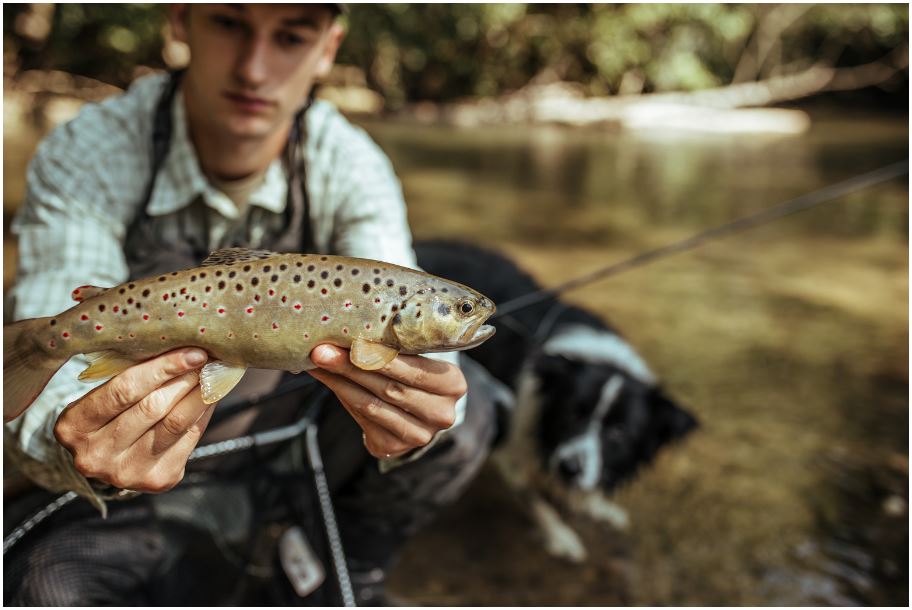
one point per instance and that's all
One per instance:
(476, 335)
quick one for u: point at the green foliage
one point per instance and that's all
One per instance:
(442, 52)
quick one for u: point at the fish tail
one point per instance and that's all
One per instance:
(27, 368)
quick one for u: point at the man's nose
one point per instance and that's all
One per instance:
(252, 67)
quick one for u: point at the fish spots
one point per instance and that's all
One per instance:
(256, 335)
(221, 285)
(99, 327)
(271, 292)
(145, 317)
(444, 290)
(202, 329)
(52, 344)
(306, 336)
(283, 267)
(417, 315)
(130, 301)
(344, 330)
(239, 287)
(383, 318)
(367, 326)
(395, 308)
(355, 271)
(208, 289)
(202, 275)
(165, 297)
(122, 290)
(192, 278)
(337, 283)
(311, 284)
(297, 279)
(376, 271)
(232, 274)
(365, 288)
(284, 299)
(324, 291)
(324, 318)
(131, 335)
(246, 268)
(377, 300)
(162, 278)
(249, 311)
(267, 269)
(218, 273)
(377, 281)
(274, 278)
(173, 294)
(390, 283)
(323, 258)
(65, 335)
(120, 337)
(193, 299)
(124, 312)
(145, 292)
(324, 274)
(220, 311)
(180, 314)
(53, 322)
(164, 338)
(131, 286)
(254, 281)
(115, 309)
(299, 264)
(310, 268)
(275, 326)
(297, 306)
(230, 335)
(83, 317)
(402, 291)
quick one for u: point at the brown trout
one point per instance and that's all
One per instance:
(247, 308)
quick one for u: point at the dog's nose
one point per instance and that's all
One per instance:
(570, 467)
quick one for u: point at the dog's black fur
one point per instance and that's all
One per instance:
(640, 417)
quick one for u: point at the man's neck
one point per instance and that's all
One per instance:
(231, 158)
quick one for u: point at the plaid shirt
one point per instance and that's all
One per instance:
(87, 181)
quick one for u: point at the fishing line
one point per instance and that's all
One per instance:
(792, 206)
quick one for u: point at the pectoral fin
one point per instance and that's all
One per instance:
(218, 378)
(105, 364)
(371, 356)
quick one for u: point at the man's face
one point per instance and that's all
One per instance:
(252, 65)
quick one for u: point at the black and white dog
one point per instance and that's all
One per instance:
(589, 412)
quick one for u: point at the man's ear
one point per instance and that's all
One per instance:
(335, 36)
(178, 16)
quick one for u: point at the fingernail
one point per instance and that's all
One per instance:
(322, 353)
(195, 357)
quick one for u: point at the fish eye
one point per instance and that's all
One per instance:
(466, 307)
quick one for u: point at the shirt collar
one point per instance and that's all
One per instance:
(180, 180)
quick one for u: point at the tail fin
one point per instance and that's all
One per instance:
(26, 367)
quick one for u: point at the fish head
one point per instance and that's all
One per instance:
(442, 316)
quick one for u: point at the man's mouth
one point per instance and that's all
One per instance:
(248, 103)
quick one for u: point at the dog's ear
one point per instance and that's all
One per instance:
(553, 369)
(673, 421)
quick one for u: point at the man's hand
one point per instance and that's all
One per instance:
(399, 407)
(138, 429)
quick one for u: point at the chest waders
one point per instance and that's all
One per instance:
(150, 252)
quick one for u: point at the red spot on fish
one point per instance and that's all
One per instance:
(52, 344)
(83, 317)
(367, 326)
(146, 316)
(297, 306)
(208, 288)
(256, 298)
(165, 297)
(323, 291)
(325, 318)
(183, 291)
(347, 304)
(205, 305)
(98, 327)
(377, 300)
(221, 310)
(180, 314)
(65, 335)
(202, 329)
(284, 298)
(271, 292)
(115, 309)
(275, 326)
(250, 310)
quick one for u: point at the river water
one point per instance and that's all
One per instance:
(789, 342)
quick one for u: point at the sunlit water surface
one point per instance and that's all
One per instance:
(789, 342)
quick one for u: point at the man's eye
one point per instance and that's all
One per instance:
(227, 23)
(288, 39)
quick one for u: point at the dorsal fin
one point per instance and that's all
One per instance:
(86, 292)
(234, 255)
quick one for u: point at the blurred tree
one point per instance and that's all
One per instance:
(441, 52)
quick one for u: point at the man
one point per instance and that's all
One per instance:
(152, 181)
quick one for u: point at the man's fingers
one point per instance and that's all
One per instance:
(173, 426)
(378, 441)
(441, 378)
(361, 403)
(151, 410)
(109, 400)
